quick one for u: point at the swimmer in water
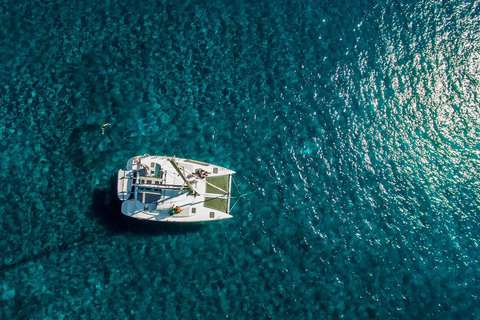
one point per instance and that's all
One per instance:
(104, 126)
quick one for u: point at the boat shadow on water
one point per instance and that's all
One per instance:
(106, 209)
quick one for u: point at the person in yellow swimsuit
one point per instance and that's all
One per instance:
(104, 126)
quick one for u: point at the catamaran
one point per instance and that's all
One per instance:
(170, 189)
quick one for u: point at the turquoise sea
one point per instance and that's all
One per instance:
(356, 125)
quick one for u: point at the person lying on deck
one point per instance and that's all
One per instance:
(202, 174)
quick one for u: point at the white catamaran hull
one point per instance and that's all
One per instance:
(160, 188)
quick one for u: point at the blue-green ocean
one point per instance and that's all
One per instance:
(356, 125)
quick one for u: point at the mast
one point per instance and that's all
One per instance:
(174, 164)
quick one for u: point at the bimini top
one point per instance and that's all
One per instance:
(169, 189)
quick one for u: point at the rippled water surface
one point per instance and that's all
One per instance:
(355, 124)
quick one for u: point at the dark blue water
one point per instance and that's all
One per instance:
(357, 124)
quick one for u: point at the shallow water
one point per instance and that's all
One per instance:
(356, 125)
